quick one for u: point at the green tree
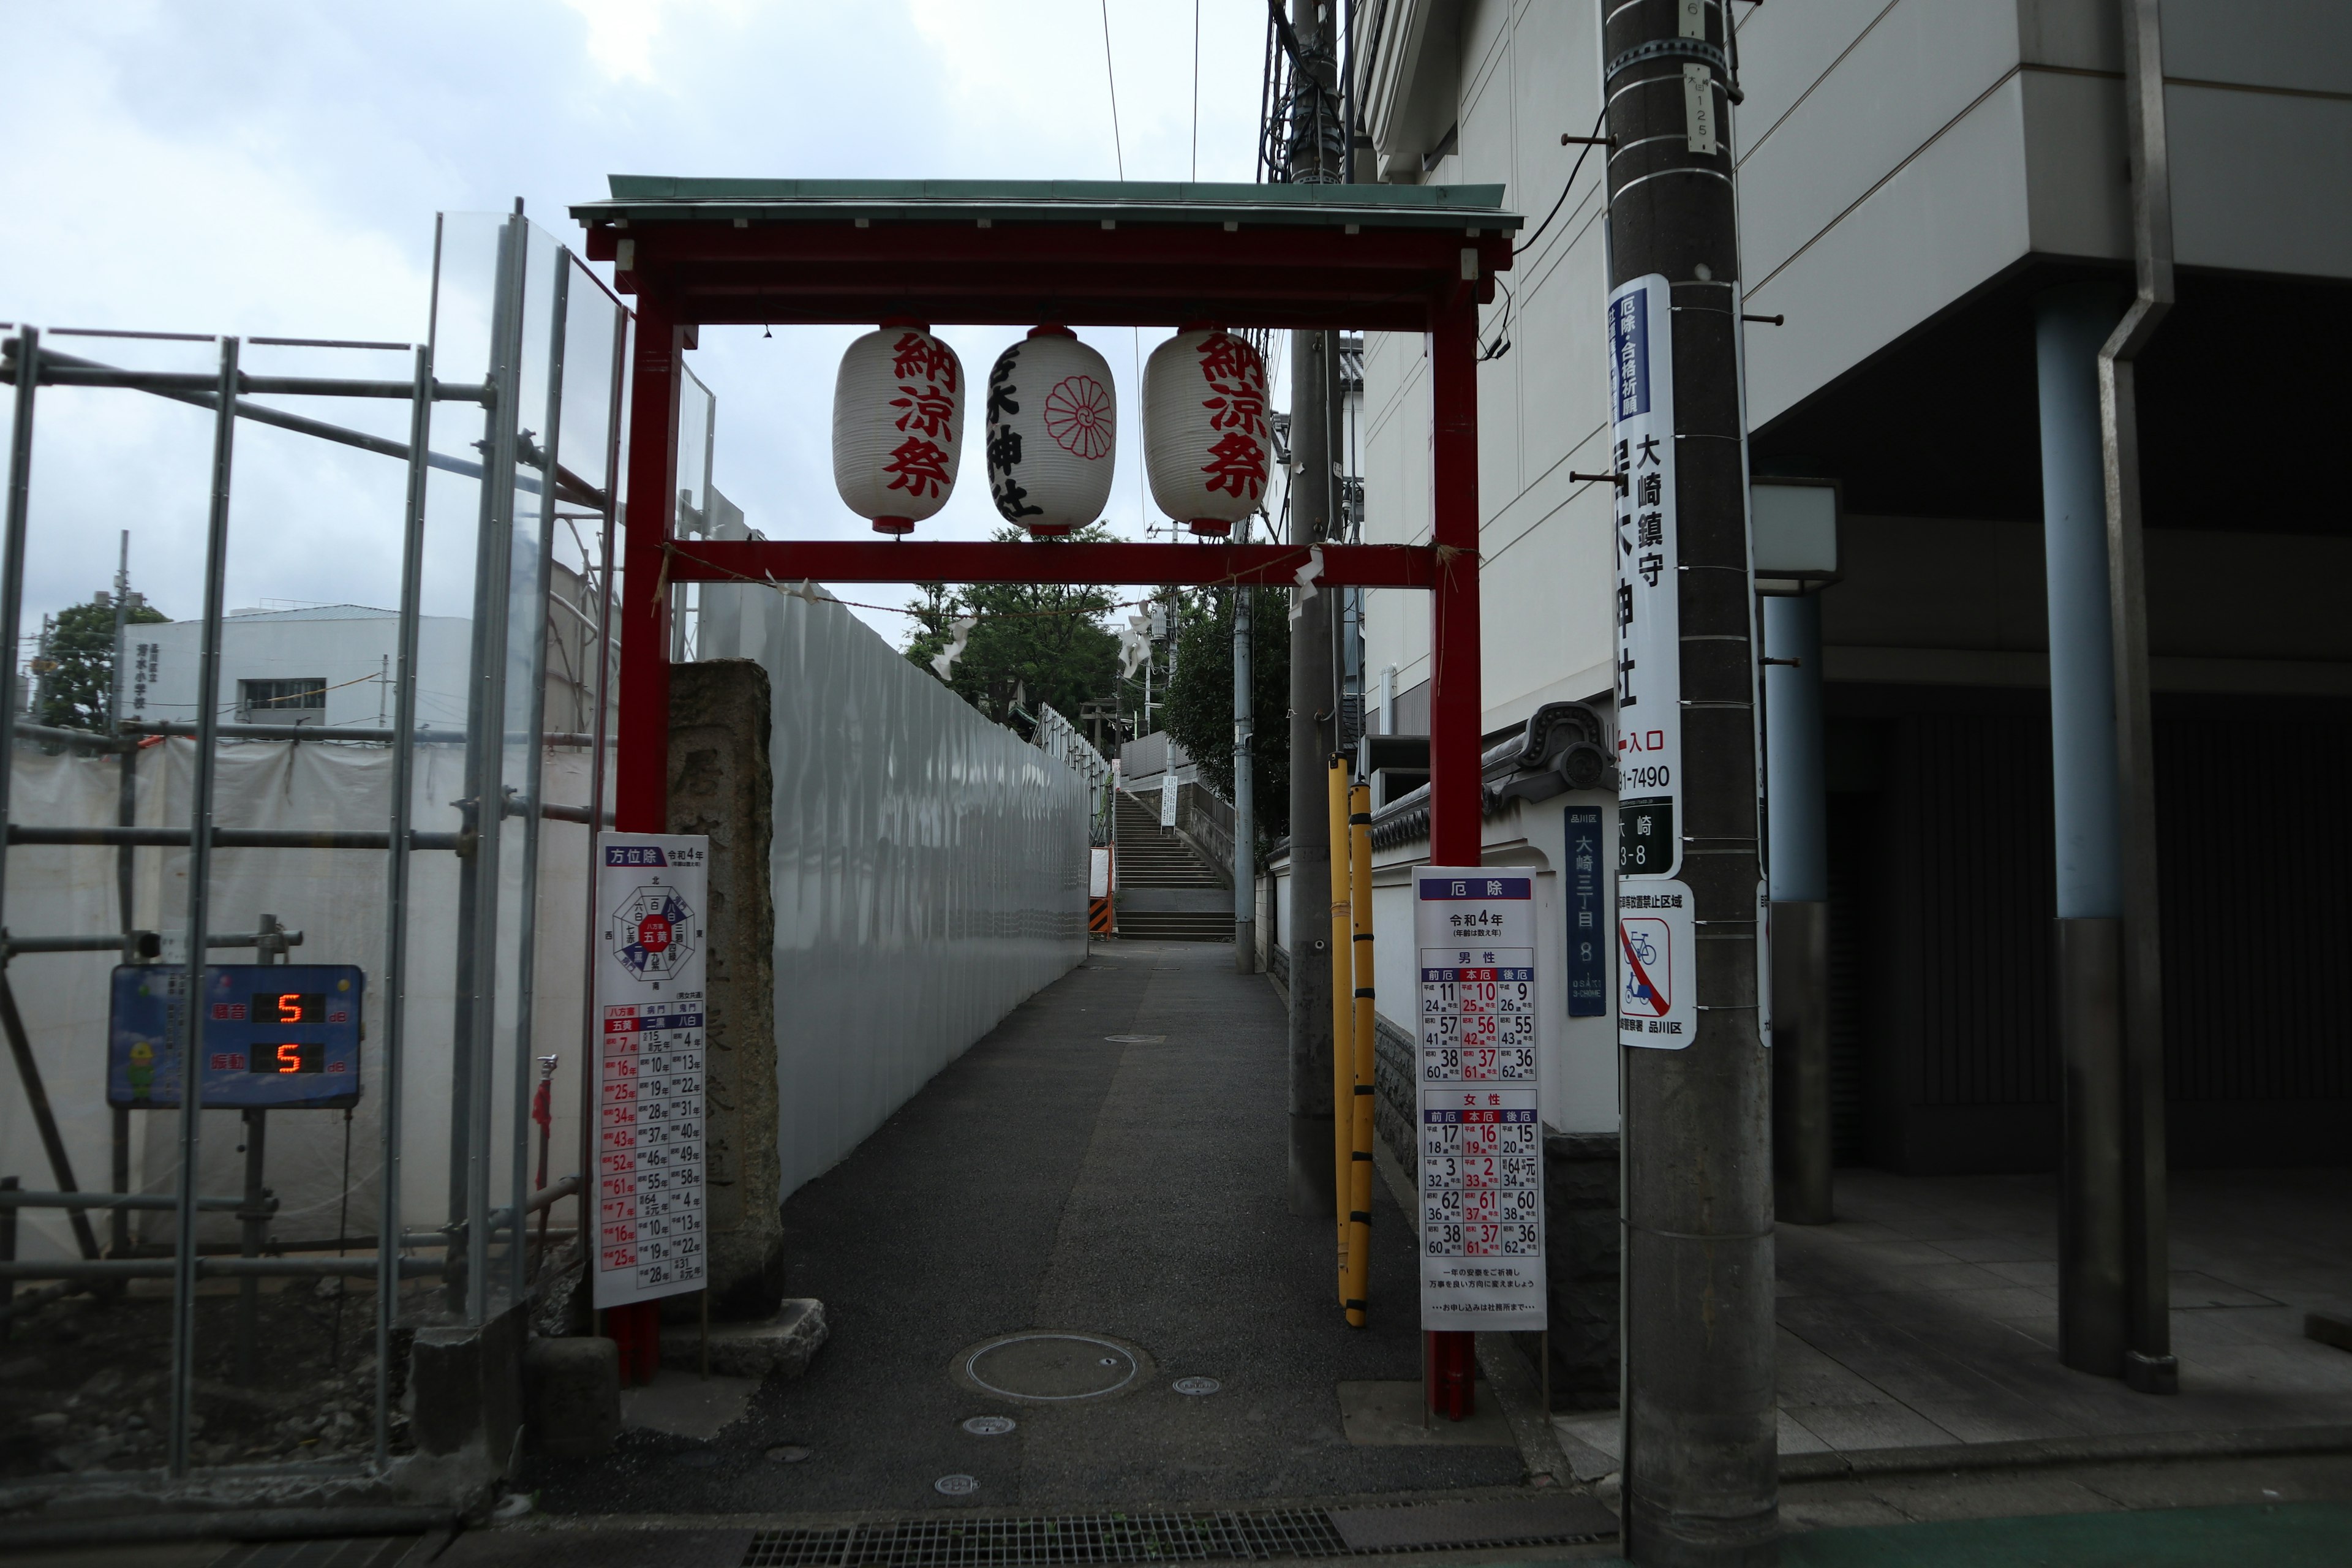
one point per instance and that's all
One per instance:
(80, 678)
(1045, 642)
(1200, 699)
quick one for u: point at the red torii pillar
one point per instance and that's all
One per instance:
(1456, 703)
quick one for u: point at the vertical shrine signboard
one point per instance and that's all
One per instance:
(651, 892)
(1482, 1257)
(1649, 612)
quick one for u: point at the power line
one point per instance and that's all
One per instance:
(1111, 76)
(1196, 88)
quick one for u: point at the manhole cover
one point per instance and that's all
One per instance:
(1198, 1385)
(955, 1486)
(1049, 1368)
(1137, 1040)
(988, 1425)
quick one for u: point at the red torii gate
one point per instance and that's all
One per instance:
(1399, 258)
(1407, 259)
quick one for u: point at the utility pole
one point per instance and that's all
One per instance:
(1314, 148)
(1700, 1458)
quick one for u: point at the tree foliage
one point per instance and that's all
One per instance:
(76, 690)
(1043, 641)
(1200, 699)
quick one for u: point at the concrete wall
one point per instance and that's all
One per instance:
(928, 868)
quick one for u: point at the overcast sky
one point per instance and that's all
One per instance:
(273, 169)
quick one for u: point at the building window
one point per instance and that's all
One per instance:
(301, 700)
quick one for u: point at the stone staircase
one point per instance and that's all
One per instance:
(1165, 892)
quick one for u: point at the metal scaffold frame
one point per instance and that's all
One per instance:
(519, 473)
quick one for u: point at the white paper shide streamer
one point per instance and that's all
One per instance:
(1052, 427)
(898, 425)
(1206, 442)
(944, 661)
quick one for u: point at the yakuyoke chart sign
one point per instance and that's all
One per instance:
(651, 892)
(1482, 1247)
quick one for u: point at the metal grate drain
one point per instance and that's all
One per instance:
(961, 1540)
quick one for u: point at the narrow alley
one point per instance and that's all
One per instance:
(1104, 1163)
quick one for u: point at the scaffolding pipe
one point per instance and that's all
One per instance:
(1343, 1066)
(358, 1265)
(378, 736)
(199, 839)
(56, 367)
(1365, 1058)
(13, 1199)
(231, 838)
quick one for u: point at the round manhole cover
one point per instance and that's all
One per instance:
(988, 1425)
(1198, 1385)
(955, 1486)
(1050, 1368)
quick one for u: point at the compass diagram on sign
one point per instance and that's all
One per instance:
(653, 934)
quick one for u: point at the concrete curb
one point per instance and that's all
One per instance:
(229, 1525)
(2036, 1452)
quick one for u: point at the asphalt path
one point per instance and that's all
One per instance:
(1056, 1178)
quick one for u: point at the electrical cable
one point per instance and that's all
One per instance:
(1196, 87)
(1111, 77)
(1521, 249)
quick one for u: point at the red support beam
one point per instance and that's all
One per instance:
(789, 561)
(641, 763)
(1456, 703)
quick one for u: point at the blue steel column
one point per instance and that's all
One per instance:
(1797, 823)
(2071, 324)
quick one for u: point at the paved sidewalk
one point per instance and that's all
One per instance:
(1109, 1161)
(1927, 1315)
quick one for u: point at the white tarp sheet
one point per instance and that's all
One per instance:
(336, 899)
(930, 868)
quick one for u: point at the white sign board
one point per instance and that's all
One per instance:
(1649, 625)
(1168, 799)
(1657, 968)
(1482, 1250)
(651, 891)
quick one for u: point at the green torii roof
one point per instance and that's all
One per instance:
(1391, 207)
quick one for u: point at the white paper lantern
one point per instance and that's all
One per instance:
(898, 425)
(1052, 424)
(1206, 441)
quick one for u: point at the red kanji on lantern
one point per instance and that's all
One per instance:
(921, 354)
(1227, 357)
(921, 466)
(929, 410)
(1236, 408)
(1234, 461)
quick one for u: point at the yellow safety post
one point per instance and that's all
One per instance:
(1343, 1015)
(1366, 1057)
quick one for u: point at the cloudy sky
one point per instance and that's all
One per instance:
(274, 168)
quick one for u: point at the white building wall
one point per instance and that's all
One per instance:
(354, 648)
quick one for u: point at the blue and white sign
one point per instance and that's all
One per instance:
(281, 1037)
(1585, 912)
(1481, 1176)
(1649, 630)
